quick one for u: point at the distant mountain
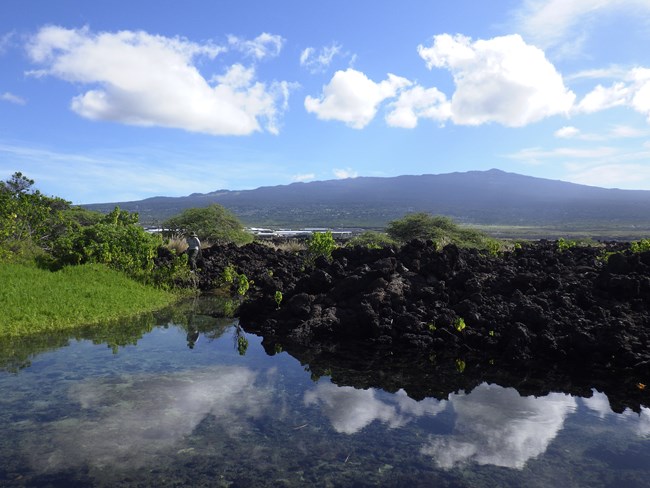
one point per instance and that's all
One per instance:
(491, 197)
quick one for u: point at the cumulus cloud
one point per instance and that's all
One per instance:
(497, 426)
(548, 23)
(318, 60)
(351, 97)
(416, 103)
(350, 410)
(11, 98)
(501, 80)
(148, 80)
(263, 46)
(632, 91)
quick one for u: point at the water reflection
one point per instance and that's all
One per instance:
(128, 422)
(497, 426)
(350, 410)
(157, 414)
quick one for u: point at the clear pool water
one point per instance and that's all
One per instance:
(176, 404)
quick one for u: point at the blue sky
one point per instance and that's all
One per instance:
(115, 101)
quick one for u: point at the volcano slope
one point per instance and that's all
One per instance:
(541, 317)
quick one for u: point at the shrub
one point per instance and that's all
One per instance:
(321, 244)
(117, 240)
(372, 240)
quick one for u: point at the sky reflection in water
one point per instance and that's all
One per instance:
(207, 401)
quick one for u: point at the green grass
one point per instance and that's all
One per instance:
(34, 300)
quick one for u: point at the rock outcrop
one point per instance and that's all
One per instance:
(569, 313)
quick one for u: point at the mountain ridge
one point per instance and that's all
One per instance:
(492, 197)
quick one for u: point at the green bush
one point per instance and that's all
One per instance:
(372, 240)
(321, 244)
(117, 241)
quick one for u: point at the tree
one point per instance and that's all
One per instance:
(214, 223)
(27, 216)
(442, 230)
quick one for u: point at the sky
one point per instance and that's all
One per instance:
(118, 101)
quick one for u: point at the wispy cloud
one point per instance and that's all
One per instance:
(303, 177)
(318, 60)
(11, 98)
(615, 132)
(344, 173)
(100, 175)
(263, 46)
(551, 23)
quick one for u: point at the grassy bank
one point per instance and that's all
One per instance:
(33, 300)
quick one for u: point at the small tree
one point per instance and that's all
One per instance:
(442, 230)
(321, 244)
(214, 223)
(27, 217)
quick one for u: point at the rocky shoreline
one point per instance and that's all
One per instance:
(537, 316)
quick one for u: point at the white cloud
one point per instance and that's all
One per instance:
(318, 61)
(550, 23)
(610, 175)
(5, 41)
(345, 173)
(416, 103)
(497, 426)
(351, 97)
(615, 132)
(567, 132)
(501, 80)
(303, 177)
(601, 98)
(633, 92)
(11, 98)
(263, 46)
(147, 80)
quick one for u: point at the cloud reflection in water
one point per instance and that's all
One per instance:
(497, 426)
(350, 410)
(130, 422)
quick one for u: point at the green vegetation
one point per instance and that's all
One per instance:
(459, 324)
(278, 298)
(214, 223)
(321, 244)
(63, 266)
(36, 300)
(640, 246)
(372, 240)
(441, 230)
